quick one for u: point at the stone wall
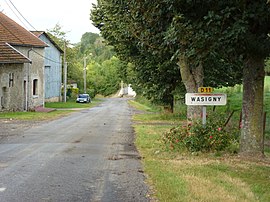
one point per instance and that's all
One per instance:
(34, 77)
(11, 87)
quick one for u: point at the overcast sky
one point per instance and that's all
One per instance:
(72, 15)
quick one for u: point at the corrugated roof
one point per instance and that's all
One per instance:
(14, 34)
(9, 55)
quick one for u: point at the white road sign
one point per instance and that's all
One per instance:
(206, 99)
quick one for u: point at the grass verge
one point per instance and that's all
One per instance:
(72, 104)
(186, 177)
(41, 116)
(34, 116)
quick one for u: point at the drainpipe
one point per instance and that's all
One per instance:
(65, 74)
(28, 81)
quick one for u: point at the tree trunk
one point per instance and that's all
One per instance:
(170, 107)
(251, 141)
(192, 79)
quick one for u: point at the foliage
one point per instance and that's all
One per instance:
(74, 66)
(71, 103)
(267, 66)
(151, 35)
(87, 41)
(103, 69)
(58, 35)
(223, 37)
(104, 77)
(33, 116)
(214, 136)
(198, 176)
(154, 75)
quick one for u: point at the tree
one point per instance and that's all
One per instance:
(157, 32)
(58, 35)
(87, 41)
(229, 33)
(267, 66)
(75, 69)
(246, 33)
(104, 77)
(131, 50)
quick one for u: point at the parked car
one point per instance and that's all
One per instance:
(83, 98)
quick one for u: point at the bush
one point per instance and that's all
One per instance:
(195, 137)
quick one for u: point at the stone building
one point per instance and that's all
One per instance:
(11, 78)
(21, 67)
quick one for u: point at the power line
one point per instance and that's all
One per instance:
(32, 50)
(22, 15)
(15, 13)
(46, 57)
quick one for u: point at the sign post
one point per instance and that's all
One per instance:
(204, 115)
(206, 98)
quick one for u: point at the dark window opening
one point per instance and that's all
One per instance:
(35, 87)
(11, 80)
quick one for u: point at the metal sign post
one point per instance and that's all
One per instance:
(205, 99)
(204, 115)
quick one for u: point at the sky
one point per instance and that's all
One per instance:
(72, 16)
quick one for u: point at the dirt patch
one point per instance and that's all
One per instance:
(13, 127)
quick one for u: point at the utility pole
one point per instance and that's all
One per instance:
(84, 73)
(27, 84)
(65, 74)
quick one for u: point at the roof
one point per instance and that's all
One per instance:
(14, 34)
(9, 55)
(39, 33)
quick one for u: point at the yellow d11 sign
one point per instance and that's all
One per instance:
(205, 90)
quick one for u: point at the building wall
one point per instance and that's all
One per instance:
(33, 77)
(11, 87)
(53, 71)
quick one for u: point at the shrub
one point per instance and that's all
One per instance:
(195, 137)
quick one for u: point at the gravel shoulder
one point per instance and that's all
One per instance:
(12, 127)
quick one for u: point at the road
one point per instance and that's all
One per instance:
(86, 156)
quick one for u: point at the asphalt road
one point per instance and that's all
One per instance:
(87, 156)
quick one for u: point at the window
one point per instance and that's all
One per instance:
(35, 87)
(11, 80)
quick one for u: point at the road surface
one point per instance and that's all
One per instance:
(87, 156)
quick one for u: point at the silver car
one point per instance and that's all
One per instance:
(83, 98)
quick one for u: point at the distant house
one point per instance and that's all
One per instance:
(21, 67)
(53, 68)
(126, 90)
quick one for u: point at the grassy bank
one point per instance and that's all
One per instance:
(40, 116)
(34, 116)
(201, 177)
(72, 104)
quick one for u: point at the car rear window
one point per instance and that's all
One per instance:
(83, 96)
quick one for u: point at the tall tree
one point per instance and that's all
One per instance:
(158, 33)
(194, 33)
(148, 71)
(104, 77)
(75, 67)
(88, 39)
